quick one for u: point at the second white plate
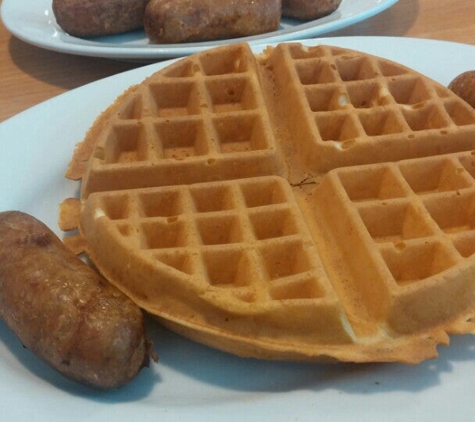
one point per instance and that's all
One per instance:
(33, 21)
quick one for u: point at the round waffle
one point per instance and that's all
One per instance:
(306, 203)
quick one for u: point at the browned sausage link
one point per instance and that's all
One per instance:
(464, 86)
(308, 9)
(176, 21)
(90, 18)
(63, 311)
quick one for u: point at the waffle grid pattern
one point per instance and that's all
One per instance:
(419, 214)
(332, 79)
(317, 192)
(247, 237)
(350, 102)
(206, 116)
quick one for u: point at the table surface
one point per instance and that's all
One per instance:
(30, 75)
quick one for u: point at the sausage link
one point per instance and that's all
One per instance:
(91, 18)
(63, 311)
(176, 21)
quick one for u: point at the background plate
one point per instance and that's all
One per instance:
(33, 21)
(192, 382)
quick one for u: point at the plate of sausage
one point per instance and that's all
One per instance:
(191, 382)
(34, 21)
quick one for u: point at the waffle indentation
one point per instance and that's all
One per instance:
(325, 98)
(131, 109)
(116, 207)
(213, 198)
(417, 262)
(312, 72)
(231, 94)
(435, 176)
(273, 223)
(182, 139)
(284, 259)
(355, 68)
(379, 123)
(228, 267)
(126, 143)
(220, 229)
(367, 95)
(162, 234)
(454, 214)
(240, 133)
(179, 98)
(425, 118)
(262, 192)
(165, 203)
(337, 127)
(394, 222)
(377, 182)
(409, 91)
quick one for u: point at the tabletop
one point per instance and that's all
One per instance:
(30, 75)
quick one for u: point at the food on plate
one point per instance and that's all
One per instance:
(309, 9)
(464, 86)
(176, 21)
(92, 18)
(305, 203)
(63, 311)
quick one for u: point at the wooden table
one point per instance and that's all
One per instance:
(30, 75)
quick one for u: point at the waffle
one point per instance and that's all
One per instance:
(307, 203)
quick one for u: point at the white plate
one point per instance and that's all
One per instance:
(33, 21)
(192, 382)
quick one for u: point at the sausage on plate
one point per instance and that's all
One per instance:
(91, 18)
(178, 21)
(63, 311)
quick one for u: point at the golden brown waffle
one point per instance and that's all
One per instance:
(308, 204)
(202, 119)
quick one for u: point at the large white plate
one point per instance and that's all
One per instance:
(33, 21)
(192, 382)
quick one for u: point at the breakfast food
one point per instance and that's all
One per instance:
(307, 203)
(91, 18)
(464, 86)
(176, 21)
(63, 311)
(309, 9)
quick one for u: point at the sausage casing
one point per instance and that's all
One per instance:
(176, 21)
(90, 18)
(464, 86)
(308, 9)
(63, 311)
